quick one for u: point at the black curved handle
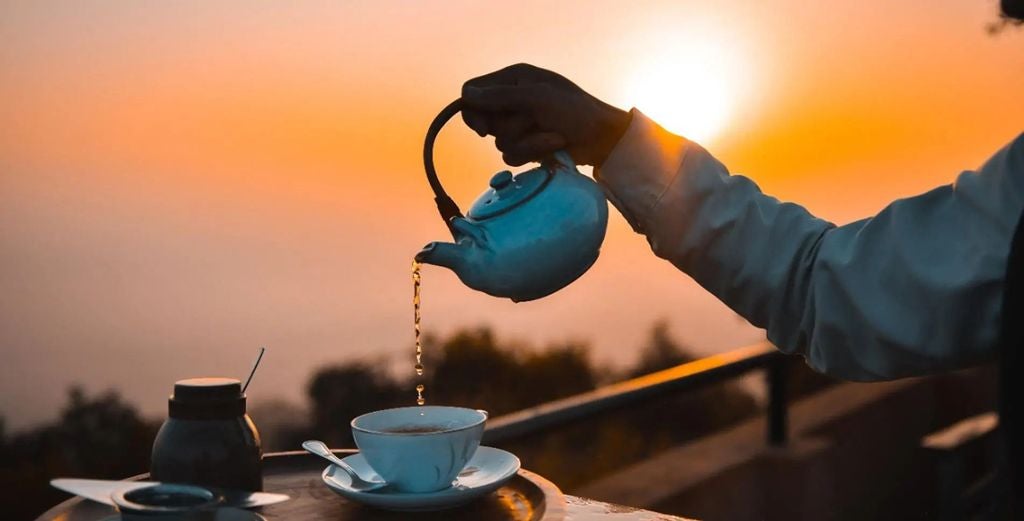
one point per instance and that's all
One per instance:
(445, 205)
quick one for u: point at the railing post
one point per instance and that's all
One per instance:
(777, 405)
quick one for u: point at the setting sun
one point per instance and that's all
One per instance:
(690, 89)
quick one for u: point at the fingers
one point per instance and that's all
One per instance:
(510, 127)
(524, 98)
(483, 107)
(517, 88)
(511, 75)
(505, 103)
(533, 147)
(502, 125)
(475, 120)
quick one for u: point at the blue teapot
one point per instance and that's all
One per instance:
(528, 235)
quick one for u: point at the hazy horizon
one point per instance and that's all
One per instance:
(182, 183)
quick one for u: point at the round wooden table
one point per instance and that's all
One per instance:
(529, 497)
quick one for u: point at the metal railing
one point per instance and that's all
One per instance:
(684, 377)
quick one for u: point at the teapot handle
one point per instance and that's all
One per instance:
(445, 205)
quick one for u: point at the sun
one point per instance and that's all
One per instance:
(690, 88)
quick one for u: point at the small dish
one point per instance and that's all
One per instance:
(486, 472)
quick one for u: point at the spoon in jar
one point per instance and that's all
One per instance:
(358, 484)
(254, 366)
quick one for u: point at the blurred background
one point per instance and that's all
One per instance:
(183, 182)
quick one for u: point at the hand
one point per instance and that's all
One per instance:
(532, 113)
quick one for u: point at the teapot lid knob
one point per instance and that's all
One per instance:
(501, 180)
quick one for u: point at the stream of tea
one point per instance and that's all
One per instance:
(416, 328)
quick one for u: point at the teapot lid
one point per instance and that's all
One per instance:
(508, 191)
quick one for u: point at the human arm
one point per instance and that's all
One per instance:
(915, 289)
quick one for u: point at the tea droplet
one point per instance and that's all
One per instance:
(419, 369)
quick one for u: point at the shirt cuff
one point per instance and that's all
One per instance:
(640, 169)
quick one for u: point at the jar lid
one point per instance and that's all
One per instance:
(209, 397)
(210, 388)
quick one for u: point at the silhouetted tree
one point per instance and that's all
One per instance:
(343, 392)
(282, 424)
(556, 372)
(3, 438)
(469, 369)
(101, 437)
(473, 370)
(660, 352)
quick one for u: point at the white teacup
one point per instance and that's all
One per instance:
(421, 448)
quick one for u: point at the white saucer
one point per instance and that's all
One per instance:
(486, 472)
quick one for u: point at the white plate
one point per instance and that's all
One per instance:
(486, 472)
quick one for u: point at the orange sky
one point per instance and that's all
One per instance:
(182, 182)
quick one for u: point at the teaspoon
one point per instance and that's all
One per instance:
(359, 484)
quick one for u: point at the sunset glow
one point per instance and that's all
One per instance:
(181, 182)
(691, 88)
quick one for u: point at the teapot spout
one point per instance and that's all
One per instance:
(446, 254)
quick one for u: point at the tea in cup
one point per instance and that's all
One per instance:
(419, 449)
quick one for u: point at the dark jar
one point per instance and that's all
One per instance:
(208, 439)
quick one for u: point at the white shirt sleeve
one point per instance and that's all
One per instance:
(915, 289)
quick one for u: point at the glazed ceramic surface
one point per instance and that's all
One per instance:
(528, 235)
(486, 472)
(419, 462)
